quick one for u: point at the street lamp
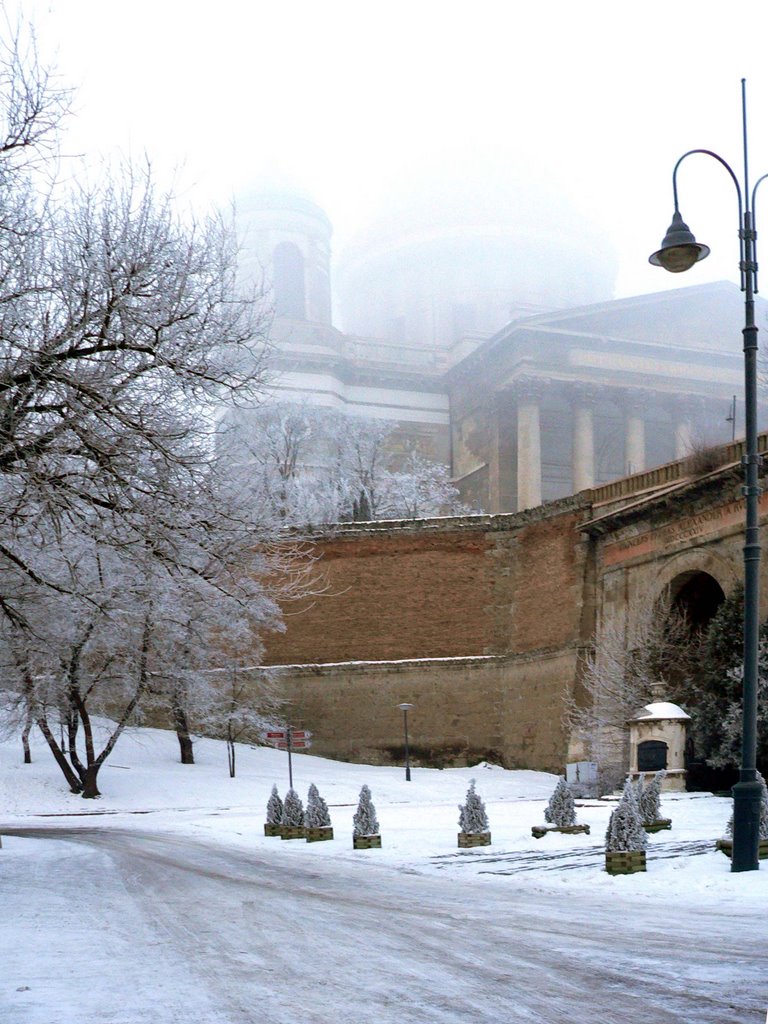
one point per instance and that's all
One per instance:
(679, 251)
(405, 708)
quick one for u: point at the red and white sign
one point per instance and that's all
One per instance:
(299, 739)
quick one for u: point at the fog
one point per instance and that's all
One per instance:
(574, 113)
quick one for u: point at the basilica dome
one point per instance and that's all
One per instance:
(449, 259)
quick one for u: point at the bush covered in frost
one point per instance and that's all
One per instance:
(561, 809)
(274, 808)
(625, 828)
(649, 798)
(364, 820)
(293, 809)
(472, 816)
(316, 814)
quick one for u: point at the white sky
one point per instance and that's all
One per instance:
(352, 100)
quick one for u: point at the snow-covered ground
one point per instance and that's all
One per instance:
(164, 901)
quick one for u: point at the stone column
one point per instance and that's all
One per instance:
(494, 455)
(583, 438)
(685, 413)
(529, 392)
(634, 436)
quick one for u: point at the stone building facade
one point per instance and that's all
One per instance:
(516, 373)
(482, 621)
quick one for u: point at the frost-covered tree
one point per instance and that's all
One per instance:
(274, 808)
(316, 814)
(625, 831)
(311, 465)
(293, 809)
(629, 657)
(472, 814)
(364, 820)
(649, 798)
(561, 809)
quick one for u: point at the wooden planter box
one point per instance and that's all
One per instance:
(624, 862)
(726, 846)
(318, 835)
(366, 842)
(658, 825)
(292, 832)
(272, 828)
(537, 831)
(470, 839)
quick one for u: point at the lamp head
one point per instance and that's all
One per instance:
(679, 250)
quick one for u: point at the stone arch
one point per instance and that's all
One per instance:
(289, 281)
(697, 583)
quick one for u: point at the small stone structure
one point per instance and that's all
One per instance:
(657, 740)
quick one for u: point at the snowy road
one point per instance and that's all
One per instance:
(159, 929)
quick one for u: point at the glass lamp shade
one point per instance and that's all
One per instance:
(679, 250)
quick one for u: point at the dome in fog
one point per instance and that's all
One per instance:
(452, 258)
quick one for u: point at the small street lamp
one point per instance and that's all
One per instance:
(405, 708)
(679, 251)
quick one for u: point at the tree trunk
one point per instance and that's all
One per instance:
(231, 756)
(25, 742)
(90, 789)
(75, 784)
(181, 724)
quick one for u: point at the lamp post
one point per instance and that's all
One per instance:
(679, 251)
(405, 708)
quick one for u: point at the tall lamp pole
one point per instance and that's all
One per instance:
(679, 251)
(405, 708)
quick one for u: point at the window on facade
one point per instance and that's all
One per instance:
(288, 279)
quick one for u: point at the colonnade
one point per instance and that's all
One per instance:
(528, 395)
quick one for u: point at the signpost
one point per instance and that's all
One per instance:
(289, 739)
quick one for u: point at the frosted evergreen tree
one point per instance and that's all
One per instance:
(316, 814)
(364, 820)
(293, 809)
(639, 789)
(561, 809)
(274, 808)
(763, 828)
(649, 799)
(472, 816)
(625, 828)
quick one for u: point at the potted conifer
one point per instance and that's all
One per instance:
(274, 822)
(560, 813)
(473, 821)
(725, 845)
(317, 820)
(365, 833)
(625, 839)
(293, 816)
(648, 798)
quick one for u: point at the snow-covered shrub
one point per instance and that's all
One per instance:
(561, 809)
(472, 816)
(625, 828)
(274, 808)
(293, 809)
(650, 797)
(763, 830)
(316, 814)
(364, 819)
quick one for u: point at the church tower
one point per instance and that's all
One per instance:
(286, 241)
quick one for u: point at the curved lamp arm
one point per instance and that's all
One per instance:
(735, 180)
